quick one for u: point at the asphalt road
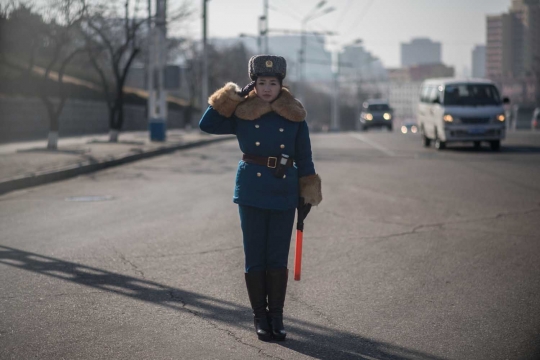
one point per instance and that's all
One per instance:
(413, 254)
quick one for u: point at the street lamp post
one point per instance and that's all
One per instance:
(204, 87)
(265, 26)
(336, 71)
(302, 58)
(157, 97)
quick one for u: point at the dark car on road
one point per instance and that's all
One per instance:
(376, 113)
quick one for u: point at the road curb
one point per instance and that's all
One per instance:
(85, 167)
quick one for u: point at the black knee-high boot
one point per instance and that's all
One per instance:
(276, 287)
(256, 287)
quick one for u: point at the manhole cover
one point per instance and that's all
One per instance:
(89, 198)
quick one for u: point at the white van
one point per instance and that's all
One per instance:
(461, 110)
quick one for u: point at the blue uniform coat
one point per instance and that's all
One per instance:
(265, 129)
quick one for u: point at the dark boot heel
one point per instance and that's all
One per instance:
(262, 328)
(256, 287)
(278, 330)
(276, 287)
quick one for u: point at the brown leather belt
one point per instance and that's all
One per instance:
(270, 161)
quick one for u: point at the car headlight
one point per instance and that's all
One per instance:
(448, 118)
(387, 116)
(368, 117)
(500, 117)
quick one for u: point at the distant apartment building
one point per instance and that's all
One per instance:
(420, 51)
(403, 87)
(513, 51)
(318, 60)
(479, 61)
(360, 65)
(360, 74)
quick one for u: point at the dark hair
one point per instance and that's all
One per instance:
(280, 79)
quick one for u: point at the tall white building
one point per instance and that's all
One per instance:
(513, 50)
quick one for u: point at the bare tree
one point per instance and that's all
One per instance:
(224, 64)
(193, 76)
(112, 45)
(21, 35)
(116, 32)
(64, 17)
(50, 37)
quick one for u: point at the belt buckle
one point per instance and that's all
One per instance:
(268, 162)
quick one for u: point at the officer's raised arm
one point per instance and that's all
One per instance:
(218, 118)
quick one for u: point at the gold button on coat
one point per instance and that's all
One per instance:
(259, 174)
(282, 146)
(257, 143)
(281, 129)
(257, 126)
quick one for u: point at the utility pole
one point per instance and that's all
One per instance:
(301, 61)
(334, 124)
(358, 94)
(266, 26)
(150, 66)
(161, 25)
(302, 58)
(204, 94)
(261, 34)
(157, 97)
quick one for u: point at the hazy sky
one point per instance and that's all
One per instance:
(382, 24)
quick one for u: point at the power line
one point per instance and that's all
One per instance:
(283, 13)
(363, 13)
(343, 13)
(290, 6)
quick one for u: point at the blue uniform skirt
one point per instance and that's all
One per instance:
(267, 237)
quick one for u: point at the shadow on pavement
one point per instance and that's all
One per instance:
(306, 338)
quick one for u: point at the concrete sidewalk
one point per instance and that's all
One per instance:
(25, 164)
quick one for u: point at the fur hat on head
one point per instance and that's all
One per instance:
(267, 65)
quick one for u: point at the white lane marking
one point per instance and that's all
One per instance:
(373, 144)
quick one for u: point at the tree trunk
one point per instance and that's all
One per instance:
(113, 131)
(188, 114)
(117, 119)
(113, 135)
(52, 142)
(54, 126)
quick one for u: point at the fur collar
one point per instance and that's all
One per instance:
(285, 105)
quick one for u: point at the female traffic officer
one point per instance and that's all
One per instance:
(275, 171)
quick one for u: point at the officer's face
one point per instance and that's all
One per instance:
(267, 88)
